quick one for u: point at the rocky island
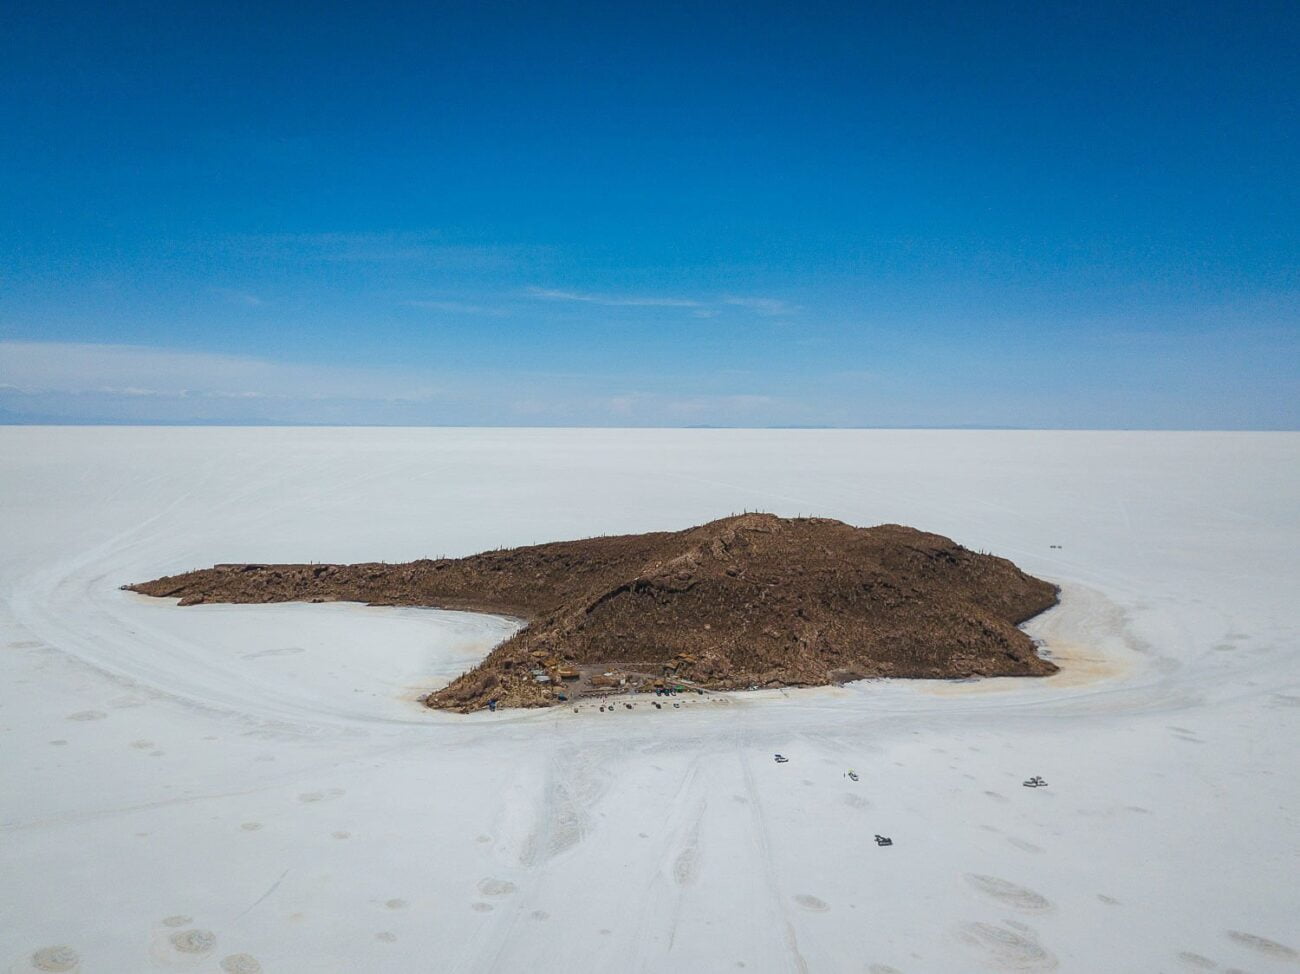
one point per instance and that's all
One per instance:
(745, 601)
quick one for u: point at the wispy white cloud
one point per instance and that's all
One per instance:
(133, 371)
(73, 382)
(137, 391)
(458, 308)
(699, 307)
(768, 307)
(243, 299)
(612, 301)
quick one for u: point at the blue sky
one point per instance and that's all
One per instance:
(667, 214)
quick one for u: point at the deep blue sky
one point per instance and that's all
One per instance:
(741, 214)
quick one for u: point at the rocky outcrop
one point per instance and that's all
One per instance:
(743, 601)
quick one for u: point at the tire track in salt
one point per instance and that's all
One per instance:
(759, 821)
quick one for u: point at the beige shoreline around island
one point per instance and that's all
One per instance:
(1085, 634)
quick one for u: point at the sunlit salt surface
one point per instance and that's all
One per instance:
(248, 788)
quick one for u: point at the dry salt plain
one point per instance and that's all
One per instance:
(253, 788)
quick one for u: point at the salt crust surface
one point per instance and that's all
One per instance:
(251, 788)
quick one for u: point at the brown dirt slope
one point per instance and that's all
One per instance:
(748, 600)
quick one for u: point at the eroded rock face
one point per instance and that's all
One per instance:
(747, 600)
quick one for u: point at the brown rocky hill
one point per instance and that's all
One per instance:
(748, 600)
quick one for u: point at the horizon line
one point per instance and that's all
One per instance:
(969, 428)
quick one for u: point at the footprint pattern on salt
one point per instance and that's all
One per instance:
(1009, 893)
(59, 958)
(496, 887)
(1006, 948)
(309, 797)
(241, 964)
(194, 941)
(174, 947)
(812, 903)
(1262, 945)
